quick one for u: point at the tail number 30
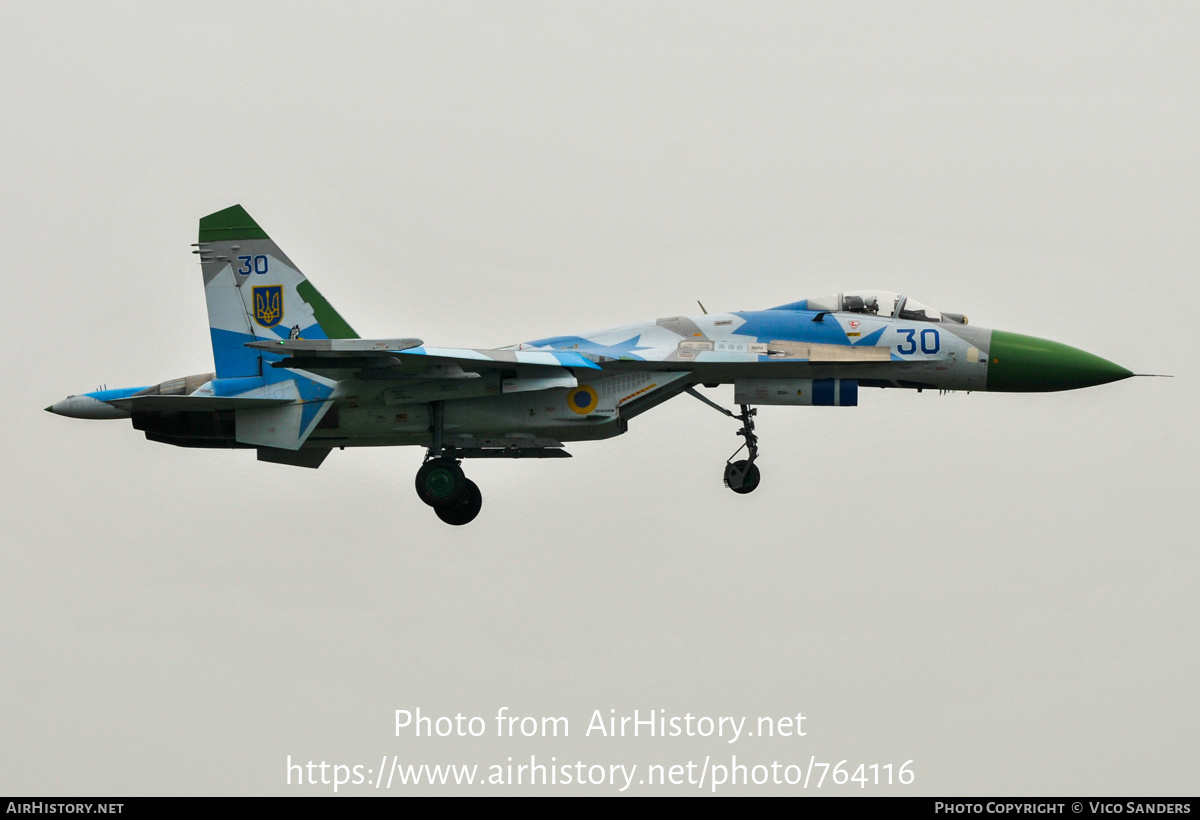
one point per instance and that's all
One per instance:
(252, 264)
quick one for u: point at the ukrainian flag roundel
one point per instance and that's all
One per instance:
(268, 305)
(582, 400)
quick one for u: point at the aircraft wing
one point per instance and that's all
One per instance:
(408, 358)
(774, 359)
(491, 359)
(334, 347)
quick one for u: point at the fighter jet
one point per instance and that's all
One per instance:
(293, 381)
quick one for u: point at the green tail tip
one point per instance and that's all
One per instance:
(231, 223)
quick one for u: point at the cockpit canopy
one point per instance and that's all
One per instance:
(884, 304)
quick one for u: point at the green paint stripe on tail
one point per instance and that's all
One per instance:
(231, 223)
(330, 320)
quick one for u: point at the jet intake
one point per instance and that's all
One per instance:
(188, 429)
(797, 392)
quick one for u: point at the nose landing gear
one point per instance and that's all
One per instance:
(741, 476)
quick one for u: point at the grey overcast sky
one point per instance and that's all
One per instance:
(1003, 589)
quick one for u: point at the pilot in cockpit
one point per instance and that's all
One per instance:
(860, 304)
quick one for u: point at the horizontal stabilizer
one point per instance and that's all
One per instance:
(193, 404)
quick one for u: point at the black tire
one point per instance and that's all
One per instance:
(440, 482)
(750, 476)
(465, 509)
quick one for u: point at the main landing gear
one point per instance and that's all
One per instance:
(440, 481)
(741, 476)
(454, 497)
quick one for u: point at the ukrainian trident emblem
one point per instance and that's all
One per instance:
(268, 305)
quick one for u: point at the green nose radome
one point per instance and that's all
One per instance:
(1026, 364)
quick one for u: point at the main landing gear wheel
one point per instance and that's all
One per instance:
(440, 482)
(464, 510)
(742, 476)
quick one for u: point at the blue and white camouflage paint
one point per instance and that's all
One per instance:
(293, 380)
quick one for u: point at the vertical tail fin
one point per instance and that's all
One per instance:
(255, 292)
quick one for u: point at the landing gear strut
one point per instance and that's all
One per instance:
(741, 476)
(440, 481)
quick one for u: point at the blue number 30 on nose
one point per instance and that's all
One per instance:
(930, 341)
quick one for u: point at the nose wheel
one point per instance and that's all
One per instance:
(741, 476)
